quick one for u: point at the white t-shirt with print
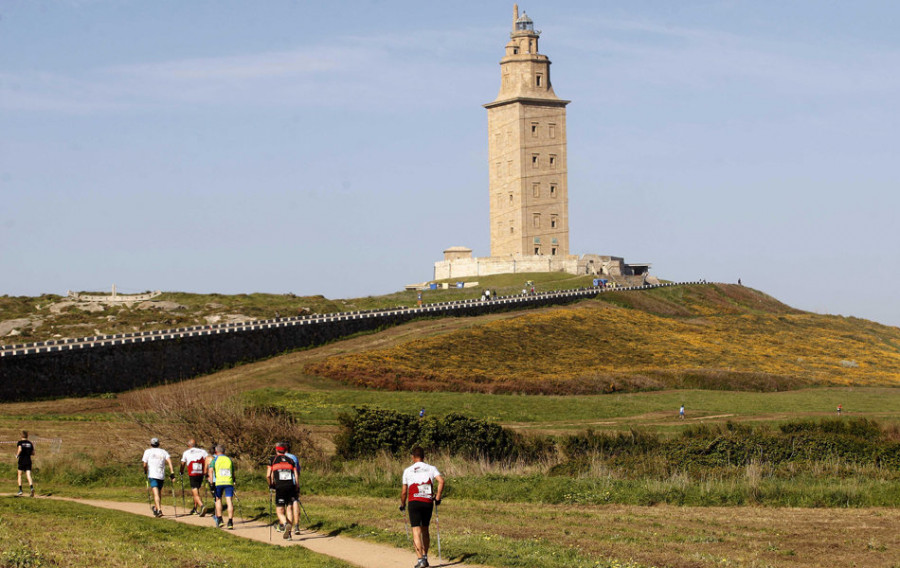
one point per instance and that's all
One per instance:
(155, 458)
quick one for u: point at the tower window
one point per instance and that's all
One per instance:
(510, 198)
(552, 190)
(534, 129)
(552, 130)
(554, 221)
(536, 189)
(538, 80)
(537, 250)
(552, 161)
(536, 220)
(509, 167)
(553, 251)
(512, 228)
(498, 169)
(534, 161)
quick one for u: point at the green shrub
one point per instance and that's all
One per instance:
(371, 430)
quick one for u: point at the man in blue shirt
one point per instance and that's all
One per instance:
(295, 507)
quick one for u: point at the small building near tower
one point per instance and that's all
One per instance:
(528, 183)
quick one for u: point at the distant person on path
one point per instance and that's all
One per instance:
(840, 408)
(419, 299)
(281, 475)
(418, 491)
(154, 462)
(24, 451)
(194, 459)
(296, 505)
(206, 467)
(681, 412)
(221, 474)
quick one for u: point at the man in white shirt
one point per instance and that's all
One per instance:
(194, 459)
(154, 462)
(418, 490)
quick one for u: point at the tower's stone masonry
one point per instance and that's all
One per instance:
(529, 197)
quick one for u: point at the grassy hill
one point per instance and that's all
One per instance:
(709, 337)
(37, 318)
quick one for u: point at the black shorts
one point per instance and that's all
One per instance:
(196, 481)
(24, 465)
(285, 496)
(420, 513)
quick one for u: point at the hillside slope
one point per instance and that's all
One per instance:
(710, 336)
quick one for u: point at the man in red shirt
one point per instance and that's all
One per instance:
(418, 490)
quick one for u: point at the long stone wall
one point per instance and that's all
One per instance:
(116, 363)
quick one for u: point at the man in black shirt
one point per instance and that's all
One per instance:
(24, 451)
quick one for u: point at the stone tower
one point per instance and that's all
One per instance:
(529, 198)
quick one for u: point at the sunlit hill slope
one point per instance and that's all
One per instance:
(710, 336)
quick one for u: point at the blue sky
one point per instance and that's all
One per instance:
(337, 148)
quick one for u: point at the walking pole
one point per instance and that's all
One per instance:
(302, 508)
(149, 498)
(183, 502)
(437, 525)
(271, 497)
(174, 498)
(240, 507)
(405, 524)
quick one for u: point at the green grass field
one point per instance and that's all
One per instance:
(40, 532)
(553, 513)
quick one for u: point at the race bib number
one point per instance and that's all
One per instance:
(424, 491)
(196, 468)
(285, 475)
(224, 473)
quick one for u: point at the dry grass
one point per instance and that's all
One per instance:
(674, 537)
(726, 343)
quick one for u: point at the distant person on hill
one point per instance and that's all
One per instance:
(24, 451)
(840, 408)
(422, 412)
(681, 412)
(418, 490)
(296, 505)
(419, 299)
(221, 473)
(739, 282)
(281, 475)
(194, 459)
(154, 462)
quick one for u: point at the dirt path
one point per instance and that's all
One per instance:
(348, 549)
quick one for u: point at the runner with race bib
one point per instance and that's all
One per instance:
(419, 492)
(282, 477)
(194, 460)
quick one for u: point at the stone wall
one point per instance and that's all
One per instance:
(119, 363)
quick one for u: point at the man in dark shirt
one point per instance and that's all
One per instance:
(24, 451)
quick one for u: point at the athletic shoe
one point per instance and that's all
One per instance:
(193, 511)
(422, 563)
(19, 494)
(287, 531)
(230, 525)
(32, 491)
(159, 513)
(297, 530)
(218, 522)
(279, 528)
(152, 508)
(202, 511)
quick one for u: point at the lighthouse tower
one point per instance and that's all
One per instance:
(529, 204)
